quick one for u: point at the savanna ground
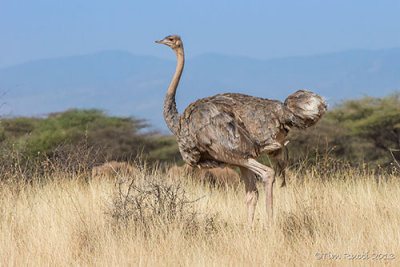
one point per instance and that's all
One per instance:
(62, 218)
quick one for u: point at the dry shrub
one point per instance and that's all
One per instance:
(326, 168)
(150, 204)
(17, 166)
(74, 159)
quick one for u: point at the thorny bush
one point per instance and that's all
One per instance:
(75, 161)
(148, 201)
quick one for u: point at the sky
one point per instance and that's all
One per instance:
(266, 29)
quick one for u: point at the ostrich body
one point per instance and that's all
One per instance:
(235, 129)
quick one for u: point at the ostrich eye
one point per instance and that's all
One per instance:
(170, 39)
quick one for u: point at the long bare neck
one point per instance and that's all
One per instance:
(171, 115)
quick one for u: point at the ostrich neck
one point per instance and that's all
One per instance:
(171, 115)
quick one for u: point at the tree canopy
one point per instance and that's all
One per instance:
(119, 138)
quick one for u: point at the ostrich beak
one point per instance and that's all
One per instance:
(161, 42)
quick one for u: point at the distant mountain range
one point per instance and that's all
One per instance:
(124, 84)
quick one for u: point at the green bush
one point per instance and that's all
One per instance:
(118, 138)
(356, 131)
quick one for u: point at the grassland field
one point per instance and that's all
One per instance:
(349, 219)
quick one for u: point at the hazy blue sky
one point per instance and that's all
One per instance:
(36, 29)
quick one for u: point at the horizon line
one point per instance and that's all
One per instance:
(198, 55)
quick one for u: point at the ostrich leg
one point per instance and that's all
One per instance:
(281, 159)
(269, 184)
(283, 164)
(251, 193)
(268, 177)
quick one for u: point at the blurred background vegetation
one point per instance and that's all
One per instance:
(358, 132)
(114, 138)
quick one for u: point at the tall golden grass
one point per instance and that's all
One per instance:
(351, 217)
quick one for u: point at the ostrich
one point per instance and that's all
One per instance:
(235, 129)
(112, 169)
(215, 177)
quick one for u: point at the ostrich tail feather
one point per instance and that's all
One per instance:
(304, 109)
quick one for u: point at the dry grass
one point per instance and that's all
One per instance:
(67, 222)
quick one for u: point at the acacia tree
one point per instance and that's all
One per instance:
(375, 120)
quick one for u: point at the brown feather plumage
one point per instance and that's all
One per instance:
(228, 127)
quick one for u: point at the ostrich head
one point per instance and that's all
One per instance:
(173, 41)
